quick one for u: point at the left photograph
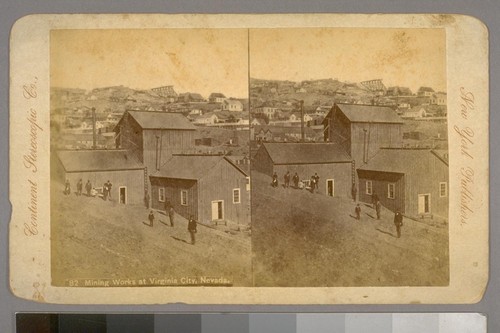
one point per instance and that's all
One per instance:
(150, 181)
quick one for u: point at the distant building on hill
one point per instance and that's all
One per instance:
(216, 98)
(232, 105)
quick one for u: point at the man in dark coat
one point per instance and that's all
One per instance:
(192, 228)
(275, 180)
(316, 181)
(151, 218)
(88, 188)
(171, 215)
(287, 179)
(296, 180)
(374, 199)
(357, 211)
(398, 222)
(378, 207)
(67, 187)
(109, 185)
(79, 187)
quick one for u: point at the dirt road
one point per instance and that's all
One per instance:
(304, 239)
(96, 239)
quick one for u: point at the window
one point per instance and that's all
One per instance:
(184, 198)
(248, 183)
(236, 196)
(161, 194)
(391, 189)
(443, 189)
(369, 189)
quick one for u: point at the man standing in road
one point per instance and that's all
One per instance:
(192, 228)
(88, 188)
(287, 179)
(398, 222)
(79, 187)
(378, 207)
(171, 215)
(316, 181)
(296, 180)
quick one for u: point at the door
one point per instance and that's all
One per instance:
(424, 203)
(122, 194)
(217, 210)
(330, 187)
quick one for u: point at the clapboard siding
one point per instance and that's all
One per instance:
(340, 172)
(173, 188)
(218, 184)
(133, 180)
(167, 142)
(380, 185)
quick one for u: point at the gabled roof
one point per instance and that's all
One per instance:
(192, 167)
(98, 160)
(160, 120)
(217, 95)
(305, 153)
(400, 160)
(358, 113)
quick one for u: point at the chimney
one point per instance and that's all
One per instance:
(94, 134)
(302, 121)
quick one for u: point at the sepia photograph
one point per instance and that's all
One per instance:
(149, 157)
(249, 159)
(349, 157)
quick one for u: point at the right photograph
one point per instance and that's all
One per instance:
(349, 157)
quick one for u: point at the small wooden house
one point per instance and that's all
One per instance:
(413, 181)
(208, 187)
(331, 163)
(122, 168)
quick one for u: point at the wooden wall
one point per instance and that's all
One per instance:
(132, 179)
(424, 177)
(173, 188)
(341, 173)
(377, 135)
(218, 184)
(131, 136)
(170, 142)
(380, 182)
(262, 162)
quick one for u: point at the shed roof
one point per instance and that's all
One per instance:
(305, 153)
(98, 160)
(190, 166)
(399, 160)
(358, 113)
(160, 120)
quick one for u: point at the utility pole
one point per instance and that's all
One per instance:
(302, 136)
(94, 134)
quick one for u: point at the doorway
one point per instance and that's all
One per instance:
(424, 203)
(217, 210)
(122, 194)
(330, 187)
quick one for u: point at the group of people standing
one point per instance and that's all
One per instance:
(297, 183)
(169, 210)
(377, 206)
(106, 189)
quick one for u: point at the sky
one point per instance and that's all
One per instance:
(403, 57)
(216, 60)
(192, 60)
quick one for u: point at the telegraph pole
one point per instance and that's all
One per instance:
(302, 136)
